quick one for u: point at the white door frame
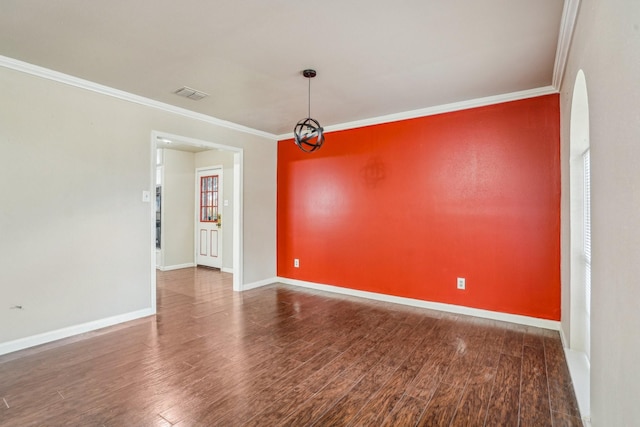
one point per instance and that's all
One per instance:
(238, 153)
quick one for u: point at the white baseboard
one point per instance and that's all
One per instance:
(227, 270)
(563, 338)
(176, 267)
(260, 283)
(450, 308)
(46, 337)
(579, 369)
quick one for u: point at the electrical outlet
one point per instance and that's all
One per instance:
(296, 263)
(461, 283)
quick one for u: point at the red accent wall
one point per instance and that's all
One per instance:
(405, 208)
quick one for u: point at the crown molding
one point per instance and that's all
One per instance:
(59, 77)
(439, 109)
(567, 25)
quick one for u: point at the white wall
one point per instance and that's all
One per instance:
(178, 208)
(606, 46)
(75, 237)
(224, 158)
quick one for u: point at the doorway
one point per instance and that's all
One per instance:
(163, 140)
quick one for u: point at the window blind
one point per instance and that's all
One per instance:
(587, 228)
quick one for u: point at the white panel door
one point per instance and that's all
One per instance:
(209, 217)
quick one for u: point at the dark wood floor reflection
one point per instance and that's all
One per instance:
(284, 356)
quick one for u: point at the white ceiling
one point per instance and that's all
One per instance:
(373, 58)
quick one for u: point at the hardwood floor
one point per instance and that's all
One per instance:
(282, 356)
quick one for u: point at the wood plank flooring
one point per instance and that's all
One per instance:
(282, 356)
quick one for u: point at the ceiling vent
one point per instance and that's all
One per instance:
(187, 92)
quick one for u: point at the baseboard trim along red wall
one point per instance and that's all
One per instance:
(428, 305)
(406, 208)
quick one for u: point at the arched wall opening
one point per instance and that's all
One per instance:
(579, 176)
(578, 353)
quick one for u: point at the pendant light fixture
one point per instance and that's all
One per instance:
(308, 133)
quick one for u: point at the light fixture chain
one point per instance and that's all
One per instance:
(309, 98)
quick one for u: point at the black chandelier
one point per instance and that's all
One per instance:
(308, 133)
